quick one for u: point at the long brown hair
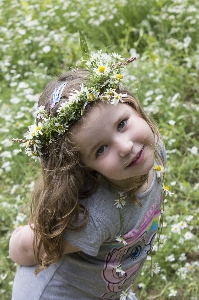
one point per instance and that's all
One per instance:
(55, 198)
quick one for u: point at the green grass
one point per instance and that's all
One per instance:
(39, 39)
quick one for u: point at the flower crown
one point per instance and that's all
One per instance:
(102, 82)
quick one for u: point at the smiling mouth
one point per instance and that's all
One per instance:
(137, 159)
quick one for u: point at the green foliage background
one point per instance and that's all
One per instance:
(40, 40)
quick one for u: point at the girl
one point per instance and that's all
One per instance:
(95, 208)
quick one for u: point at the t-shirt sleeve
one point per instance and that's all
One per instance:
(90, 238)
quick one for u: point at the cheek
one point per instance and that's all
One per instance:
(107, 165)
(149, 136)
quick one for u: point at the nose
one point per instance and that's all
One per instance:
(124, 147)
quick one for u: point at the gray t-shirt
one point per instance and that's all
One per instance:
(91, 273)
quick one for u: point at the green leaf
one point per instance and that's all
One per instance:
(83, 45)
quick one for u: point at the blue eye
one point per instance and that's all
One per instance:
(122, 124)
(134, 253)
(101, 150)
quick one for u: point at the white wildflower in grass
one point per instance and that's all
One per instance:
(193, 150)
(156, 247)
(175, 228)
(22, 85)
(187, 41)
(196, 186)
(163, 239)
(172, 122)
(6, 142)
(182, 225)
(14, 188)
(16, 151)
(170, 258)
(189, 218)
(181, 241)
(19, 115)
(196, 264)
(182, 257)
(171, 141)
(159, 97)
(149, 93)
(15, 100)
(182, 272)
(174, 266)
(20, 217)
(172, 293)
(189, 267)
(21, 31)
(6, 154)
(6, 166)
(155, 269)
(173, 183)
(188, 235)
(141, 285)
(46, 49)
(163, 277)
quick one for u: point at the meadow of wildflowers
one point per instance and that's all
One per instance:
(38, 40)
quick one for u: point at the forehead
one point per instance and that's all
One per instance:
(101, 111)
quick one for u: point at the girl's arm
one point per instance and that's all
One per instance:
(21, 246)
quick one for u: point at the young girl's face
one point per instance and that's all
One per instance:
(116, 142)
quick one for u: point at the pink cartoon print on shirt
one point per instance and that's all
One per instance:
(139, 244)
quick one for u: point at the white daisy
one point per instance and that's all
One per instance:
(120, 202)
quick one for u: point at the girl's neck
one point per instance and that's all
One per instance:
(139, 184)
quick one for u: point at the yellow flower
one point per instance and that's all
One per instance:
(38, 128)
(34, 153)
(121, 199)
(105, 98)
(119, 76)
(91, 97)
(111, 93)
(158, 168)
(101, 69)
(166, 188)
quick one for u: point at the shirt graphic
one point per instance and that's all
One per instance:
(139, 243)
